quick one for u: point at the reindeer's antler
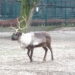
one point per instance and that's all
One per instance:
(19, 22)
(14, 28)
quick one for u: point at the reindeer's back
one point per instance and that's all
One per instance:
(42, 34)
(40, 37)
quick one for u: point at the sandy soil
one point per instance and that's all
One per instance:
(14, 60)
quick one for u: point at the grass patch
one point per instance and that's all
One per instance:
(43, 28)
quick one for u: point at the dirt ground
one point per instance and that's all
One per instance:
(14, 60)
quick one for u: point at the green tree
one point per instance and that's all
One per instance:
(27, 9)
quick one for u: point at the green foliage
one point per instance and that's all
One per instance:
(26, 6)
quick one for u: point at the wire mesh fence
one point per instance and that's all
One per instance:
(47, 12)
(9, 9)
(54, 12)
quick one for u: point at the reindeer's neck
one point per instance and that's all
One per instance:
(19, 34)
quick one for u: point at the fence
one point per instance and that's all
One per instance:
(54, 12)
(9, 9)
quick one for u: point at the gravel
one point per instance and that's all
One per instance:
(14, 60)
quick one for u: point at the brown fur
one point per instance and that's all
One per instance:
(45, 45)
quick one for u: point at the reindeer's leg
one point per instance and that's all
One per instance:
(31, 55)
(44, 59)
(28, 53)
(49, 46)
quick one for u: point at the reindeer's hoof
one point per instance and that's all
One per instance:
(44, 60)
(52, 59)
(31, 61)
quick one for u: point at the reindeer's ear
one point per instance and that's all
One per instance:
(19, 33)
(14, 37)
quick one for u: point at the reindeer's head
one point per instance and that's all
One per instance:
(16, 35)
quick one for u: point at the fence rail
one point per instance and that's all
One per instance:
(54, 12)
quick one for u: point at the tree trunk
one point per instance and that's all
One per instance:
(30, 17)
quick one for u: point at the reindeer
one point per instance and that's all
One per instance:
(32, 40)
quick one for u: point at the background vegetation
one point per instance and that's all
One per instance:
(26, 8)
